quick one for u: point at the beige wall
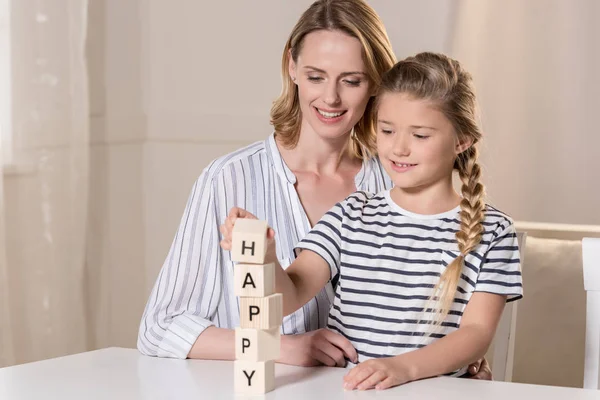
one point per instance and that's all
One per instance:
(211, 74)
(535, 64)
(118, 134)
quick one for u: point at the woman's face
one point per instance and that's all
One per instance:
(333, 87)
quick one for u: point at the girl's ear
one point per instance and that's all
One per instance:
(463, 144)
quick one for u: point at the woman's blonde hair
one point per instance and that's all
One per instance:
(357, 19)
(442, 81)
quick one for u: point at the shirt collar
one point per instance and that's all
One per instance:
(277, 161)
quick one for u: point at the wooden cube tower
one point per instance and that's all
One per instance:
(257, 340)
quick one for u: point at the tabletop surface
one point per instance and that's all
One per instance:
(117, 373)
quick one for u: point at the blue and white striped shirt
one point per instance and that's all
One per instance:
(387, 260)
(194, 289)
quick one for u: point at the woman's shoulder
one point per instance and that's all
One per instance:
(379, 174)
(249, 156)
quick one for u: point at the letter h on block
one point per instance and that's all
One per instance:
(249, 241)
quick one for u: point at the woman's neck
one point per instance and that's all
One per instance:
(318, 155)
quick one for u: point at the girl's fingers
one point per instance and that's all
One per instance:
(356, 376)
(386, 383)
(372, 380)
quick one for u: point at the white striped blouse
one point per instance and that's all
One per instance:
(194, 289)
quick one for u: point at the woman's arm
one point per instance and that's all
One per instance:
(462, 347)
(214, 344)
(178, 312)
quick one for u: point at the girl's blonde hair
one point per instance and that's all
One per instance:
(352, 17)
(442, 81)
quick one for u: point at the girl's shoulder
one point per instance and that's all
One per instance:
(497, 217)
(361, 201)
(497, 224)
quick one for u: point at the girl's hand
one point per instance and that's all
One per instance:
(379, 373)
(227, 230)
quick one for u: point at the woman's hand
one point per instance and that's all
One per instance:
(480, 369)
(378, 373)
(227, 230)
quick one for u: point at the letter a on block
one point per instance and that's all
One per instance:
(252, 377)
(249, 241)
(252, 280)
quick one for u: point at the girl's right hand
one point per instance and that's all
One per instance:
(227, 230)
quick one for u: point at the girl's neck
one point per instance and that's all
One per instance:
(436, 198)
(318, 155)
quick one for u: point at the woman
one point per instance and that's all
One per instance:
(320, 153)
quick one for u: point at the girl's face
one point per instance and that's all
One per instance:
(416, 143)
(333, 88)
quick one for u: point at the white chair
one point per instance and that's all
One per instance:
(502, 349)
(590, 248)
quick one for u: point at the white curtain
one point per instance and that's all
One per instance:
(536, 64)
(44, 203)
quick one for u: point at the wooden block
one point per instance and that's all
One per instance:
(257, 345)
(252, 377)
(254, 280)
(249, 241)
(261, 312)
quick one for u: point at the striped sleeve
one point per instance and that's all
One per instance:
(500, 272)
(185, 296)
(325, 238)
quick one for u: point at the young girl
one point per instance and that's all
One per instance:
(422, 272)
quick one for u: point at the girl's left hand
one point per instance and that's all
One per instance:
(379, 373)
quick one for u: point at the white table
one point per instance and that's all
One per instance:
(125, 374)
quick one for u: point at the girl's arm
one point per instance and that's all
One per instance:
(461, 347)
(301, 281)
(467, 344)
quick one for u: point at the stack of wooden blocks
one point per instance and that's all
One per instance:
(257, 340)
